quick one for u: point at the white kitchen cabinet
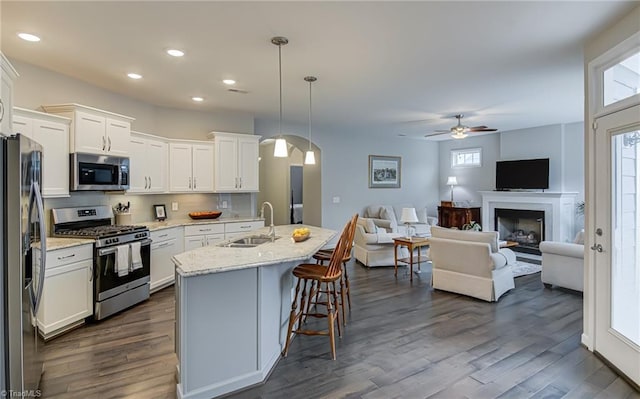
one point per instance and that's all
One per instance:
(236, 167)
(202, 235)
(148, 164)
(67, 294)
(234, 229)
(52, 133)
(7, 75)
(166, 243)
(191, 167)
(95, 131)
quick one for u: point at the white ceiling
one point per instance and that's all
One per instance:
(507, 65)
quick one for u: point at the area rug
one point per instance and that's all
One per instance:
(523, 268)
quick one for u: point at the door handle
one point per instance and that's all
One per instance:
(189, 182)
(149, 182)
(109, 138)
(43, 246)
(146, 183)
(1, 110)
(597, 247)
(104, 143)
(90, 272)
(194, 183)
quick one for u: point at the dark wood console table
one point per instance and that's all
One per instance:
(451, 216)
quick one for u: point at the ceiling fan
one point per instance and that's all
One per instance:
(460, 131)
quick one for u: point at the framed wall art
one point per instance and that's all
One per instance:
(384, 171)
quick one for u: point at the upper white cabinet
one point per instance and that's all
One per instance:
(191, 167)
(235, 162)
(148, 164)
(7, 76)
(95, 131)
(52, 132)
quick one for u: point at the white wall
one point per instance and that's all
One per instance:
(345, 159)
(470, 180)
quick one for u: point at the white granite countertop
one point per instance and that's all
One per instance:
(54, 243)
(217, 259)
(167, 224)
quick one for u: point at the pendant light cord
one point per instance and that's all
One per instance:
(309, 115)
(280, 73)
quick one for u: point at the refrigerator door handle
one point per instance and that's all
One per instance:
(35, 197)
(43, 246)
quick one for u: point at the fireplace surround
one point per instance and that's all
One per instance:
(558, 208)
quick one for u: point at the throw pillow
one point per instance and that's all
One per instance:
(579, 238)
(369, 226)
(381, 230)
(373, 211)
(387, 213)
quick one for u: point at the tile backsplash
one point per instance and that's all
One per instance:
(142, 205)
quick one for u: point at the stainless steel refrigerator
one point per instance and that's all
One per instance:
(23, 225)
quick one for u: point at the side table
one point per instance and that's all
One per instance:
(410, 244)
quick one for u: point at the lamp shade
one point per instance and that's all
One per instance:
(452, 181)
(280, 149)
(309, 158)
(409, 215)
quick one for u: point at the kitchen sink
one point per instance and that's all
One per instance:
(247, 242)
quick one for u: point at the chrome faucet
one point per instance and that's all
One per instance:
(272, 230)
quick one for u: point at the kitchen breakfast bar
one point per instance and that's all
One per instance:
(232, 310)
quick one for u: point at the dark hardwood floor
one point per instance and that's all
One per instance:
(403, 340)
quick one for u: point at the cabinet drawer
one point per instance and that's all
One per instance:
(200, 229)
(65, 256)
(165, 234)
(238, 227)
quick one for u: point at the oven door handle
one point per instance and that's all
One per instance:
(111, 250)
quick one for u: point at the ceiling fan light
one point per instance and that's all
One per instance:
(310, 158)
(280, 149)
(459, 135)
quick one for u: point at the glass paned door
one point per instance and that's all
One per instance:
(616, 240)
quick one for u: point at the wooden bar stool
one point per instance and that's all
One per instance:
(325, 278)
(324, 255)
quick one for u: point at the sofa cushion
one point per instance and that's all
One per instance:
(387, 213)
(489, 237)
(370, 226)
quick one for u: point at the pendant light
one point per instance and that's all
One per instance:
(280, 150)
(310, 158)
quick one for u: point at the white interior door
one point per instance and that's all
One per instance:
(617, 240)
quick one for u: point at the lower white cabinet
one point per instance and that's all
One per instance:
(202, 235)
(67, 294)
(166, 243)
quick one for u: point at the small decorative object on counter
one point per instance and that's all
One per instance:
(205, 215)
(473, 225)
(160, 212)
(301, 234)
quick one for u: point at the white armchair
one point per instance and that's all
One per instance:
(470, 263)
(563, 263)
(373, 244)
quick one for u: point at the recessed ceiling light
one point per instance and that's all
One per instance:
(229, 82)
(28, 37)
(134, 76)
(197, 99)
(175, 53)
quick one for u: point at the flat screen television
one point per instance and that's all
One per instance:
(522, 174)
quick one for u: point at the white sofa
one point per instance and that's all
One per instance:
(563, 263)
(470, 263)
(373, 242)
(388, 216)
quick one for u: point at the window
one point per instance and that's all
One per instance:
(466, 158)
(622, 80)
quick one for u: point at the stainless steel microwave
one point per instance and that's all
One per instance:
(91, 172)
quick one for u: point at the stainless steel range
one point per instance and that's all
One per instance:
(121, 260)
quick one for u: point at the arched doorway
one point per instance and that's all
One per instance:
(275, 181)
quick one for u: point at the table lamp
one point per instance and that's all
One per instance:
(452, 181)
(409, 216)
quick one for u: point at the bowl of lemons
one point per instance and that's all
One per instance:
(300, 234)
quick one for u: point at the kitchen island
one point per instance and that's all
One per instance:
(232, 310)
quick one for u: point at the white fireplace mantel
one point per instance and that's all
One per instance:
(558, 207)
